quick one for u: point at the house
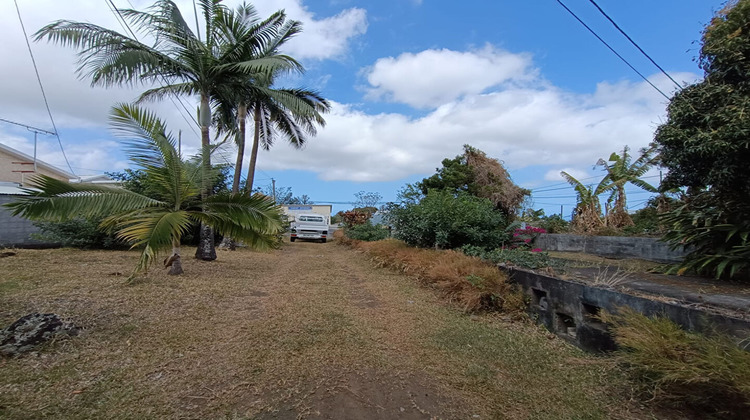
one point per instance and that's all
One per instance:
(16, 172)
(322, 209)
(18, 167)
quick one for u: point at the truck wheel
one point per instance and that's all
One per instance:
(292, 239)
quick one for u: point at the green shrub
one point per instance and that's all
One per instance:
(709, 372)
(520, 257)
(78, 233)
(443, 219)
(367, 232)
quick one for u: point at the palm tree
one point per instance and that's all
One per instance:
(155, 225)
(621, 171)
(183, 62)
(587, 214)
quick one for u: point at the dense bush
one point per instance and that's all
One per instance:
(686, 368)
(367, 232)
(520, 257)
(78, 233)
(443, 219)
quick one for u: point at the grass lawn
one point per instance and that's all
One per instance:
(310, 331)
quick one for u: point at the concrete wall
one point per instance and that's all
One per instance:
(568, 309)
(16, 231)
(651, 249)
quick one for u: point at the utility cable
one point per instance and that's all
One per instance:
(611, 49)
(121, 20)
(41, 87)
(635, 44)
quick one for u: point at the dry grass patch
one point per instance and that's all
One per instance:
(469, 282)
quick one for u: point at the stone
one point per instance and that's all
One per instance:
(33, 330)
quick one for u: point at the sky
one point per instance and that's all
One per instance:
(410, 82)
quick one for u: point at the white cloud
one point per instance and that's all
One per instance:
(433, 77)
(554, 174)
(521, 126)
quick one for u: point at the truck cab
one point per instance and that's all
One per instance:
(309, 226)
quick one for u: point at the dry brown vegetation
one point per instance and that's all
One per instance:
(469, 282)
(494, 181)
(310, 331)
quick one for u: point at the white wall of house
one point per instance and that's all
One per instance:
(322, 209)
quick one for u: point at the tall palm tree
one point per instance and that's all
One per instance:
(155, 225)
(178, 59)
(621, 170)
(290, 112)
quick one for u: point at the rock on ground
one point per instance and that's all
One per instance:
(31, 331)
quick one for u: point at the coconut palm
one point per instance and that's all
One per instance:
(154, 225)
(182, 62)
(621, 170)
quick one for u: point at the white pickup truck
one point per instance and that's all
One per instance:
(309, 226)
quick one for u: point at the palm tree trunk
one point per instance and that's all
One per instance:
(174, 262)
(253, 152)
(228, 242)
(206, 250)
(241, 114)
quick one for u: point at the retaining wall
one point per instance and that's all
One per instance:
(569, 310)
(651, 249)
(16, 231)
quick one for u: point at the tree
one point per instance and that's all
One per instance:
(293, 113)
(621, 170)
(367, 199)
(479, 175)
(705, 145)
(155, 225)
(587, 213)
(185, 63)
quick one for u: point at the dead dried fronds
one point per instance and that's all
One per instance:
(612, 279)
(494, 181)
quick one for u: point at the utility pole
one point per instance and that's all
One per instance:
(273, 188)
(179, 143)
(561, 211)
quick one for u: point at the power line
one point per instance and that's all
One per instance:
(611, 49)
(41, 87)
(634, 43)
(121, 20)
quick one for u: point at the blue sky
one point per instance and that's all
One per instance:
(411, 82)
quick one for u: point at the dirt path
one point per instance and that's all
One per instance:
(310, 331)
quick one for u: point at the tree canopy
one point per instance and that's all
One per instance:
(705, 145)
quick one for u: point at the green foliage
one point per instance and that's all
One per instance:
(140, 221)
(520, 257)
(552, 224)
(367, 232)
(443, 219)
(78, 233)
(709, 371)
(706, 146)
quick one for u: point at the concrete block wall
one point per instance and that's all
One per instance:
(651, 249)
(570, 310)
(16, 231)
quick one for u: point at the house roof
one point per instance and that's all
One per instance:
(23, 156)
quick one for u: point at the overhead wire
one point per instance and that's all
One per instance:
(125, 26)
(41, 87)
(612, 49)
(634, 43)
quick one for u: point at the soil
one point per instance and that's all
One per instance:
(309, 331)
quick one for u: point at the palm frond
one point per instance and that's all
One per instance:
(55, 200)
(254, 219)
